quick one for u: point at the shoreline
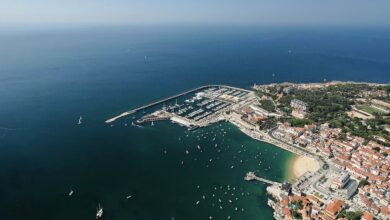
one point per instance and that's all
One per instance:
(300, 162)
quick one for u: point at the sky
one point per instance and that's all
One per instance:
(262, 12)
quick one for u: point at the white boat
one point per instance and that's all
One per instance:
(128, 197)
(70, 192)
(80, 120)
(99, 212)
(152, 124)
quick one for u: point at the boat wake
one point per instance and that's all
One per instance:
(136, 125)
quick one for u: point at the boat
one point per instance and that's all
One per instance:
(99, 212)
(70, 192)
(152, 124)
(80, 120)
(128, 197)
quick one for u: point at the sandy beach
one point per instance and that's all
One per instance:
(302, 164)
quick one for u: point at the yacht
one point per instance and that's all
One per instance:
(70, 192)
(80, 120)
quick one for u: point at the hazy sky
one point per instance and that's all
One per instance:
(267, 12)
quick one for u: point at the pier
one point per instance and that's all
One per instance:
(169, 98)
(251, 176)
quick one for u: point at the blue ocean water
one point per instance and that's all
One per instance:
(49, 77)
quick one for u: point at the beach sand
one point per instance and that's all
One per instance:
(302, 164)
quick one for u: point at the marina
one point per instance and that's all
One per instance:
(195, 108)
(214, 98)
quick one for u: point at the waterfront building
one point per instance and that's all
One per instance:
(288, 90)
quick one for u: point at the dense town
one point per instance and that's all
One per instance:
(345, 125)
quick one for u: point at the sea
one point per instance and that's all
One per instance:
(49, 77)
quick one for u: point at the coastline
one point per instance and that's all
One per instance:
(300, 162)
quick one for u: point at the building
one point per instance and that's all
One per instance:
(367, 216)
(356, 113)
(334, 208)
(340, 181)
(259, 110)
(288, 90)
(299, 105)
(349, 189)
(381, 105)
(299, 108)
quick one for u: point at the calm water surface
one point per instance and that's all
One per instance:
(48, 78)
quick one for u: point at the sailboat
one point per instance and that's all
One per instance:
(99, 212)
(152, 124)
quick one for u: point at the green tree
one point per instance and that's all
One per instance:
(363, 183)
